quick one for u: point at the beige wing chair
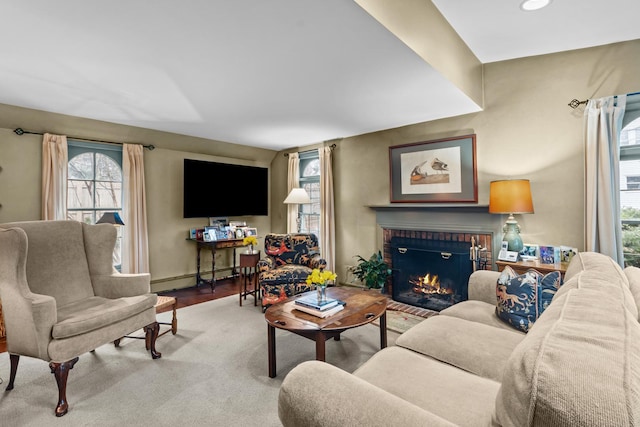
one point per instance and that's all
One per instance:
(61, 296)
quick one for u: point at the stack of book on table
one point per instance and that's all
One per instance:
(310, 304)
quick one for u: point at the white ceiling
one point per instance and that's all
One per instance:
(273, 74)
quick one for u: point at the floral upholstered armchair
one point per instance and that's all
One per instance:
(290, 258)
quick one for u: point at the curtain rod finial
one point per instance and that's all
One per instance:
(575, 103)
(18, 131)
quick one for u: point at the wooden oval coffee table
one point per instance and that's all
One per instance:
(363, 306)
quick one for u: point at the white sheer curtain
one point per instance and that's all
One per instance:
(293, 181)
(54, 177)
(135, 248)
(603, 123)
(327, 211)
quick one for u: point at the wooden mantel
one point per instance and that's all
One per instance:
(463, 218)
(470, 208)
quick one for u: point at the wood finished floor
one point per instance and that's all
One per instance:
(193, 295)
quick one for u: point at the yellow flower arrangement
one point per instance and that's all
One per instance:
(250, 240)
(321, 277)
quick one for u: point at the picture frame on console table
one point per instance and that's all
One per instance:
(437, 171)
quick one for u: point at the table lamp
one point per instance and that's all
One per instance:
(512, 196)
(298, 196)
(111, 218)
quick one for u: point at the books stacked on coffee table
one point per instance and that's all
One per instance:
(323, 308)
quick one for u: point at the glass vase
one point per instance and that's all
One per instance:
(322, 292)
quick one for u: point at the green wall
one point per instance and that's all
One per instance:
(172, 258)
(526, 130)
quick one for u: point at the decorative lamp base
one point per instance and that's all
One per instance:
(511, 231)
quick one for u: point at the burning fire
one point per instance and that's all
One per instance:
(429, 284)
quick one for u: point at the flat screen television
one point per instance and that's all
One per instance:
(214, 189)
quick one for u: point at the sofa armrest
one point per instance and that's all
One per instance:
(318, 262)
(265, 264)
(482, 286)
(118, 285)
(318, 394)
(29, 320)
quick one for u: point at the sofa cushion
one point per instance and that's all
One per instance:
(291, 248)
(579, 365)
(521, 299)
(593, 261)
(477, 348)
(593, 279)
(633, 275)
(288, 273)
(446, 391)
(478, 311)
(96, 312)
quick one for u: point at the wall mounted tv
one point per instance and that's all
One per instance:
(221, 189)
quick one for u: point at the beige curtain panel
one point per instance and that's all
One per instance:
(54, 177)
(135, 248)
(603, 123)
(293, 181)
(327, 211)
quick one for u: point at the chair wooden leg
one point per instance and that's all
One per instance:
(61, 372)
(174, 320)
(151, 333)
(14, 359)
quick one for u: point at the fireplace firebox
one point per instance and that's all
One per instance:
(432, 274)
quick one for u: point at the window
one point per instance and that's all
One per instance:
(310, 181)
(633, 182)
(630, 181)
(94, 184)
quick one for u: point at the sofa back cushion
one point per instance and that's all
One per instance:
(593, 261)
(579, 364)
(56, 260)
(617, 285)
(633, 275)
(291, 248)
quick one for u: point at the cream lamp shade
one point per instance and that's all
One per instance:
(297, 196)
(510, 197)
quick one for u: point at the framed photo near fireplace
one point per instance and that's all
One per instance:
(438, 171)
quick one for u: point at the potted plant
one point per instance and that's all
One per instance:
(374, 272)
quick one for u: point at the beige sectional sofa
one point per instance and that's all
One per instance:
(579, 365)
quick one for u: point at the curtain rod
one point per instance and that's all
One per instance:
(20, 131)
(575, 103)
(332, 146)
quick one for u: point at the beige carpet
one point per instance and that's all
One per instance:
(213, 372)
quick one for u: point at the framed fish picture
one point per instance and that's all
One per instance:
(438, 171)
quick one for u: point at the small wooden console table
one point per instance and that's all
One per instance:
(214, 246)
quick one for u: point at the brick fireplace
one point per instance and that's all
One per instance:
(431, 269)
(429, 249)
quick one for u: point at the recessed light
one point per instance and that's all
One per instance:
(529, 5)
